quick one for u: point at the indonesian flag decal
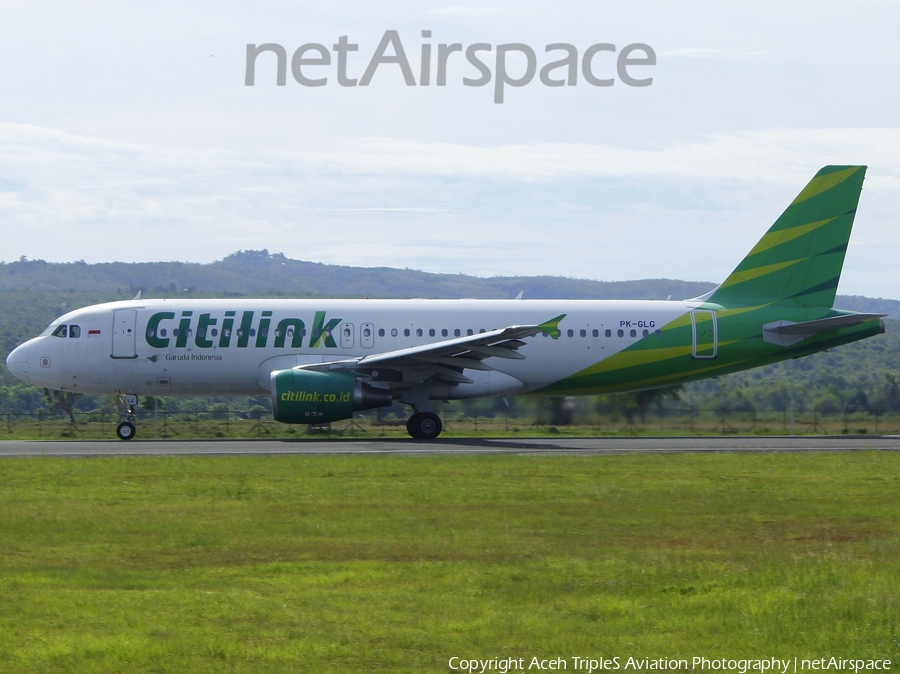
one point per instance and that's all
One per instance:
(93, 333)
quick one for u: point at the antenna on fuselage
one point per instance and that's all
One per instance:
(138, 296)
(521, 293)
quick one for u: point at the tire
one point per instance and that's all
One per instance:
(424, 426)
(126, 430)
(412, 426)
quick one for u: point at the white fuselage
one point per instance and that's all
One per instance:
(226, 347)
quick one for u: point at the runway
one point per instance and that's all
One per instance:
(451, 446)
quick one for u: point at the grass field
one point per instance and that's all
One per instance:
(396, 564)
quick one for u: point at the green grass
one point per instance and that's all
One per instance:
(395, 564)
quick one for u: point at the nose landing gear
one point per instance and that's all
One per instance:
(126, 429)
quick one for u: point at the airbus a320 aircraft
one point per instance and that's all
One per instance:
(322, 360)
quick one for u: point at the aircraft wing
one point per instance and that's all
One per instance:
(445, 360)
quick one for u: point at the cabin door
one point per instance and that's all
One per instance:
(123, 333)
(705, 334)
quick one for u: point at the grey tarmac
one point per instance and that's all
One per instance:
(450, 446)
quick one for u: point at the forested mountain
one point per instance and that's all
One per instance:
(260, 273)
(263, 274)
(34, 292)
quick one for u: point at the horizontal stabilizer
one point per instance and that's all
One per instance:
(786, 333)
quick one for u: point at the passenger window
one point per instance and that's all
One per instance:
(457, 332)
(176, 332)
(381, 332)
(596, 333)
(583, 333)
(419, 332)
(645, 333)
(162, 332)
(61, 331)
(608, 333)
(620, 332)
(393, 332)
(444, 332)
(366, 332)
(570, 332)
(480, 331)
(431, 332)
(74, 331)
(470, 332)
(634, 333)
(658, 333)
(214, 332)
(406, 332)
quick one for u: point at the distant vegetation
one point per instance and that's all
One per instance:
(853, 379)
(259, 273)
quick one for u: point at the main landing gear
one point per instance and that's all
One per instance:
(424, 425)
(126, 430)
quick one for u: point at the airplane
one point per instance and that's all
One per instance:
(323, 360)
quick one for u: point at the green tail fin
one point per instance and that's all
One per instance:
(799, 259)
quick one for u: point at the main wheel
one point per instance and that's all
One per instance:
(125, 430)
(424, 425)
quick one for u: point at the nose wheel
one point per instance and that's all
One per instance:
(126, 430)
(424, 425)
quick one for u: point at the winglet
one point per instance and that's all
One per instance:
(551, 327)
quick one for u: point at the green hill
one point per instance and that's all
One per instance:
(260, 273)
(34, 292)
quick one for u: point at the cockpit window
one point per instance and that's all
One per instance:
(61, 331)
(74, 331)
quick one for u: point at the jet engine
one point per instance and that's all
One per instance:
(308, 397)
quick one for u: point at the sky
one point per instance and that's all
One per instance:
(127, 133)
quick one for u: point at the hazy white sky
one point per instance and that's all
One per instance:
(127, 133)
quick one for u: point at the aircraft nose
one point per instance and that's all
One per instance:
(17, 362)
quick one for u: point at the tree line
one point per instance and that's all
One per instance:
(861, 377)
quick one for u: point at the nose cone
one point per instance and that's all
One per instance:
(17, 362)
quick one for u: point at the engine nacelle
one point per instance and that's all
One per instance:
(307, 397)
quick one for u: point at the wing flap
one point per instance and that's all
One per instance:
(500, 351)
